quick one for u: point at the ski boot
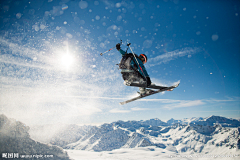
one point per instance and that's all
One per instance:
(144, 91)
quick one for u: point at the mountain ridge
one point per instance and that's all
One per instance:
(195, 136)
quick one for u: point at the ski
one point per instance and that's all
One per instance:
(150, 92)
(152, 86)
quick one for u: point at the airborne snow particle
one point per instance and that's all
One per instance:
(141, 6)
(65, 22)
(175, 1)
(118, 5)
(147, 43)
(198, 33)
(82, 22)
(97, 17)
(96, 3)
(214, 37)
(18, 15)
(83, 4)
(69, 35)
(143, 29)
(76, 20)
(114, 27)
(119, 18)
(34, 58)
(31, 11)
(42, 26)
(102, 45)
(35, 27)
(46, 13)
(64, 6)
(5, 8)
(184, 9)
(93, 66)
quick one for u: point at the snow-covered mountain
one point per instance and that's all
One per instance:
(209, 121)
(189, 135)
(184, 121)
(225, 122)
(199, 135)
(15, 142)
(59, 134)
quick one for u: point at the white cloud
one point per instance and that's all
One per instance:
(182, 104)
(173, 104)
(116, 110)
(166, 57)
(139, 109)
(221, 100)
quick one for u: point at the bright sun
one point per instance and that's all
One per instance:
(67, 60)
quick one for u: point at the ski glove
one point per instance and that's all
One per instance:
(148, 81)
(118, 46)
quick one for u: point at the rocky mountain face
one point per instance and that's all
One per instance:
(15, 142)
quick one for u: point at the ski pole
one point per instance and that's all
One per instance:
(107, 51)
(111, 48)
(137, 61)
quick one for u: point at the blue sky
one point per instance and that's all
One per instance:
(52, 71)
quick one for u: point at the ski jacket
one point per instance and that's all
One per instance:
(131, 64)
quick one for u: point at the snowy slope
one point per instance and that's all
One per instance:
(14, 138)
(148, 153)
(178, 138)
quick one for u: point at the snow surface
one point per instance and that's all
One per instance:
(146, 153)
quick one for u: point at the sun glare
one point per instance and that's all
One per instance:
(67, 60)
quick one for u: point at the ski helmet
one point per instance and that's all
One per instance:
(143, 57)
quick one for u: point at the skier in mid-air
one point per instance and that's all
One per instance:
(134, 74)
(132, 68)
